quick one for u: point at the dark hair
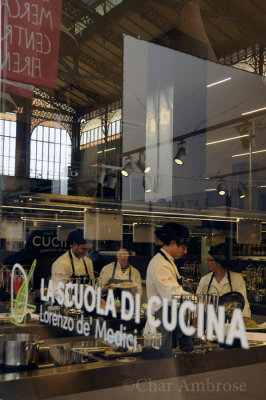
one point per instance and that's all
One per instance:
(218, 252)
(76, 236)
(173, 231)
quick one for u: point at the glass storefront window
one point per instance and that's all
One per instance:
(133, 199)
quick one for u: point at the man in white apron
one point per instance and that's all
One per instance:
(119, 272)
(73, 264)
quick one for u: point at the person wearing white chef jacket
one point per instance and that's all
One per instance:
(163, 280)
(223, 279)
(74, 263)
(120, 272)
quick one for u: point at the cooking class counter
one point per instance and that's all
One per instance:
(44, 383)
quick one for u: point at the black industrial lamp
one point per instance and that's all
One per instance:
(141, 164)
(181, 154)
(148, 186)
(221, 189)
(127, 169)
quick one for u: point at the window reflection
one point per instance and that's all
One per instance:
(7, 143)
(53, 154)
(98, 133)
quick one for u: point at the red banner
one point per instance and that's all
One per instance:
(18, 88)
(30, 34)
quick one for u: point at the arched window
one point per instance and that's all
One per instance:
(7, 144)
(50, 154)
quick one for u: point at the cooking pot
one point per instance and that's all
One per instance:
(259, 297)
(19, 350)
(64, 354)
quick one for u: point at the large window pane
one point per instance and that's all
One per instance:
(56, 170)
(50, 170)
(39, 150)
(39, 133)
(12, 147)
(12, 166)
(32, 168)
(52, 136)
(45, 151)
(7, 146)
(13, 130)
(7, 128)
(63, 137)
(45, 134)
(57, 152)
(45, 170)
(33, 149)
(57, 136)
(69, 157)
(64, 154)
(53, 153)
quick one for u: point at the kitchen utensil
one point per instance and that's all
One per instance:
(19, 350)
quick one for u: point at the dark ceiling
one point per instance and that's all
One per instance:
(90, 69)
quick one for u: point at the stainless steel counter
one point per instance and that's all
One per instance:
(70, 379)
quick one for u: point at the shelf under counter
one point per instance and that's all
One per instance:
(106, 374)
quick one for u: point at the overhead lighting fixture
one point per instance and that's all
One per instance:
(181, 154)
(262, 186)
(127, 169)
(254, 111)
(226, 140)
(218, 82)
(221, 189)
(247, 154)
(241, 190)
(148, 189)
(211, 190)
(141, 164)
(148, 184)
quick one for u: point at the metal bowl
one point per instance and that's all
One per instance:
(19, 350)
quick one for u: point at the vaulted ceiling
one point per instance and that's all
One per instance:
(91, 59)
